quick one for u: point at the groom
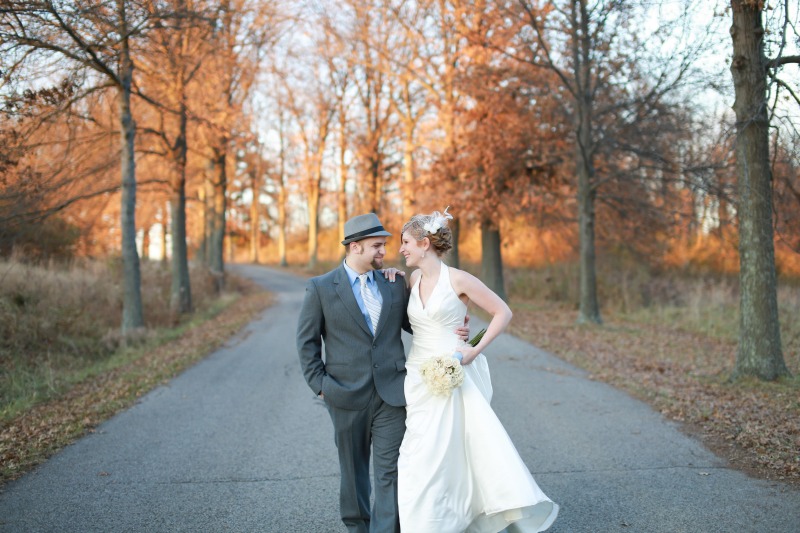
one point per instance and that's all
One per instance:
(359, 315)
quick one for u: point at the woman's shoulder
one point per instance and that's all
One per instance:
(458, 275)
(462, 281)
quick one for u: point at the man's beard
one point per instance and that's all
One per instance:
(377, 263)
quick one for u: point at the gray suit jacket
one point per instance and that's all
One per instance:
(356, 363)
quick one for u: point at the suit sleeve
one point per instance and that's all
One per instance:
(310, 328)
(406, 296)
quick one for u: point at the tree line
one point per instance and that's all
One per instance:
(265, 119)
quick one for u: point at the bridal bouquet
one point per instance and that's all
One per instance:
(442, 374)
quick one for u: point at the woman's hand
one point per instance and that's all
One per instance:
(468, 354)
(463, 331)
(391, 273)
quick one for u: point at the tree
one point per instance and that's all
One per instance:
(280, 184)
(507, 160)
(583, 28)
(96, 37)
(315, 126)
(221, 120)
(252, 167)
(55, 155)
(341, 203)
(171, 61)
(275, 116)
(368, 36)
(440, 59)
(243, 32)
(256, 178)
(398, 54)
(340, 72)
(494, 153)
(582, 43)
(759, 352)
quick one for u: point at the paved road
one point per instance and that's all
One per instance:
(238, 443)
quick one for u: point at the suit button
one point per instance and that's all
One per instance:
(374, 345)
(375, 366)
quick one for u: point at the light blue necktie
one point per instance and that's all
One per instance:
(370, 302)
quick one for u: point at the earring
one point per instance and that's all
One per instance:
(423, 253)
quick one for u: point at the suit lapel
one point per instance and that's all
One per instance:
(345, 292)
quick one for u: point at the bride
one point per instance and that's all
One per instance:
(458, 470)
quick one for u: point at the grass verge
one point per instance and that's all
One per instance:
(109, 385)
(683, 374)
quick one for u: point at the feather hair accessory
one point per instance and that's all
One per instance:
(438, 221)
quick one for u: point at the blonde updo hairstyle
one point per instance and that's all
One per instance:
(441, 240)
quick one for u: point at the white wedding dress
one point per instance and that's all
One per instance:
(458, 470)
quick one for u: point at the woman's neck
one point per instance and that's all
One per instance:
(431, 268)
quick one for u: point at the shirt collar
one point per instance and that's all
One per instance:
(353, 275)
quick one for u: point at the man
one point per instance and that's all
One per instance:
(359, 315)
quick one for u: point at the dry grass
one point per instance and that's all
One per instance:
(671, 341)
(68, 380)
(58, 322)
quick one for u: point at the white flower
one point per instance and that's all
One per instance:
(438, 220)
(442, 374)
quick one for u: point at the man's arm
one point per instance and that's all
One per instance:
(310, 327)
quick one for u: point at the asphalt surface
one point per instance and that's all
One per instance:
(238, 443)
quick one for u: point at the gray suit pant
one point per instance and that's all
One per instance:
(382, 426)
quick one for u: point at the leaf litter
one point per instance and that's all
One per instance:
(754, 425)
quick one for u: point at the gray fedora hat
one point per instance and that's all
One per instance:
(363, 226)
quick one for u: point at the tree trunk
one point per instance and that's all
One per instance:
(282, 197)
(255, 231)
(230, 244)
(759, 352)
(313, 221)
(180, 289)
(409, 125)
(204, 195)
(164, 215)
(452, 177)
(282, 224)
(408, 174)
(377, 190)
(455, 228)
(132, 316)
(589, 310)
(218, 206)
(146, 243)
(491, 258)
(449, 157)
(342, 199)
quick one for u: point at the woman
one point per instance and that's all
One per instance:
(458, 470)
